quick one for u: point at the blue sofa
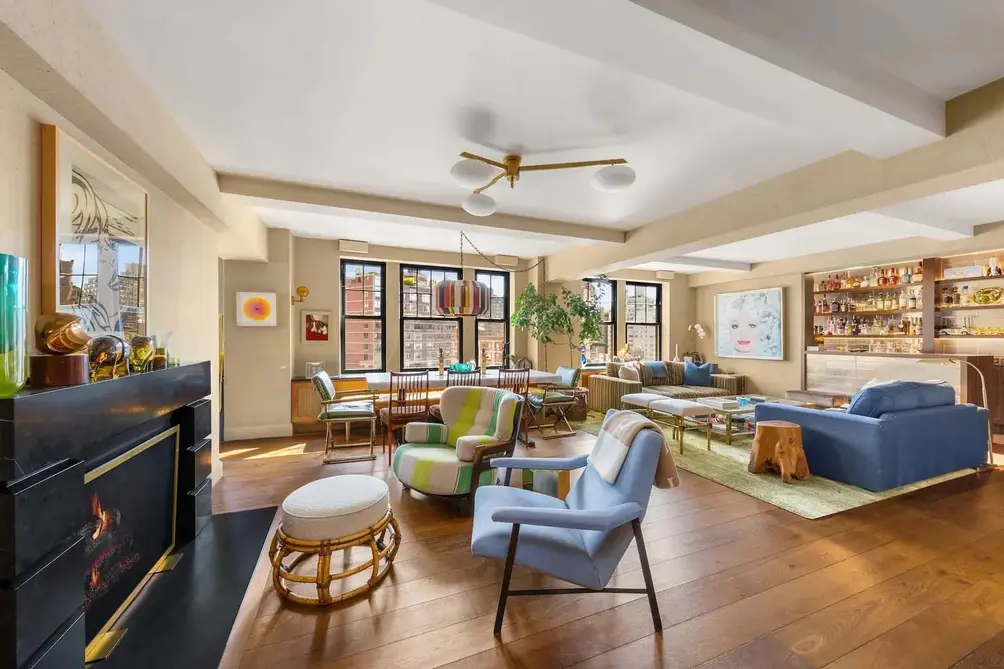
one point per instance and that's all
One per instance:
(892, 435)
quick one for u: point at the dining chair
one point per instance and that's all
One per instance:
(345, 401)
(453, 379)
(518, 381)
(407, 401)
(553, 401)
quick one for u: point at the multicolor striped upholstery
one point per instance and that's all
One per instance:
(461, 298)
(605, 391)
(438, 459)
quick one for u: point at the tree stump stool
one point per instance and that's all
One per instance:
(777, 446)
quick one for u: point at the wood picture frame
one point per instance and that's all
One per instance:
(94, 239)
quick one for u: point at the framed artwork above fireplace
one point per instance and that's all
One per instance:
(95, 246)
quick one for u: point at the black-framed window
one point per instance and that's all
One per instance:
(643, 318)
(363, 316)
(423, 332)
(606, 291)
(491, 331)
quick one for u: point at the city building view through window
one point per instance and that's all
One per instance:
(363, 316)
(606, 292)
(423, 332)
(643, 319)
(492, 329)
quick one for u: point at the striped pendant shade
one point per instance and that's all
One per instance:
(461, 298)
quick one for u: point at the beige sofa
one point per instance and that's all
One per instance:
(606, 390)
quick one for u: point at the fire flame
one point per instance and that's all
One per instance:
(104, 518)
(94, 578)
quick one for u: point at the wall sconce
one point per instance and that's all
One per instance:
(301, 295)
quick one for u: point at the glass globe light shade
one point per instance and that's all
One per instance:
(613, 178)
(479, 204)
(471, 174)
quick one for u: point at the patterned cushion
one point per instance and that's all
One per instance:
(481, 411)
(322, 384)
(434, 469)
(347, 410)
(675, 377)
(467, 445)
(425, 433)
(645, 374)
(686, 392)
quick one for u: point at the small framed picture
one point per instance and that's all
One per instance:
(316, 326)
(256, 310)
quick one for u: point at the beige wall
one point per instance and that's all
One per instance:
(183, 251)
(678, 313)
(765, 376)
(258, 359)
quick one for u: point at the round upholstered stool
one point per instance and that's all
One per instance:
(330, 515)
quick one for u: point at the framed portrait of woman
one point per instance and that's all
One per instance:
(94, 256)
(750, 324)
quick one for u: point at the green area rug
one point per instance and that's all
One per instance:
(812, 498)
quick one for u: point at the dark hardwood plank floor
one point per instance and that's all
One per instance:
(916, 581)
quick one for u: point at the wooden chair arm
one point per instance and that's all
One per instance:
(486, 451)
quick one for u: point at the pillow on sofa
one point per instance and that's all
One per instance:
(696, 375)
(658, 372)
(629, 373)
(900, 396)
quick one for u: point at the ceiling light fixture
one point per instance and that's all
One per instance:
(614, 175)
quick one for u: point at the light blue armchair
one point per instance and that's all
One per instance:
(580, 539)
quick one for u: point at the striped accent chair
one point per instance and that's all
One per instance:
(452, 459)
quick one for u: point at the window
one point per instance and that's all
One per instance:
(362, 316)
(643, 316)
(423, 332)
(491, 331)
(606, 292)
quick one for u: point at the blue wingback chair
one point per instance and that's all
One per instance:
(580, 539)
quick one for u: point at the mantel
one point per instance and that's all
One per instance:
(33, 424)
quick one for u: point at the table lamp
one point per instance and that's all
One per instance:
(983, 387)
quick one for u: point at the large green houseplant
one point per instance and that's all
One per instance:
(574, 320)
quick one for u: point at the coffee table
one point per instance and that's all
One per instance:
(727, 426)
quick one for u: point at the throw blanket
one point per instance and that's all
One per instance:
(613, 441)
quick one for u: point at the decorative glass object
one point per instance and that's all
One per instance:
(13, 324)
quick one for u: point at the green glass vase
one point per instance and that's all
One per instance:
(13, 324)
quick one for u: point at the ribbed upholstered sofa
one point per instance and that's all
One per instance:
(606, 390)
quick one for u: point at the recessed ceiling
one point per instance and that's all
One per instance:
(403, 232)
(380, 97)
(958, 209)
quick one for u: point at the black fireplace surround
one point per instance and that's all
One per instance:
(57, 532)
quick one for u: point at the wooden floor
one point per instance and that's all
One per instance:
(912, 582)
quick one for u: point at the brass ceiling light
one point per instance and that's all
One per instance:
(474, 171)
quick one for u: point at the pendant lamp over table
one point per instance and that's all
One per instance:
(461, 297)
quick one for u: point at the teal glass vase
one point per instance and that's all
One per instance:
(13, 324)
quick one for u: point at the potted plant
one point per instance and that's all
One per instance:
(574, 319)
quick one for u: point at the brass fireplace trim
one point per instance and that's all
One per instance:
(97, 649)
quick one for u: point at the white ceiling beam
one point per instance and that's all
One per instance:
(875, 117)
(707, 263)
(285, 191)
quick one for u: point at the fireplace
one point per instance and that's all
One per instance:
(130, 528)
(97, 483)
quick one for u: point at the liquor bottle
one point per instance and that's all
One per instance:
(834, 306)
(866, 281)
(903, 301)
(829, 282)
(912, 302)
(894, 276)
(956, 296)
(965, 295)
(946, 297)
(882, 281)
(855, 327)
(904, 276)
(864, 328)
(870, 303)
(918, 274)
